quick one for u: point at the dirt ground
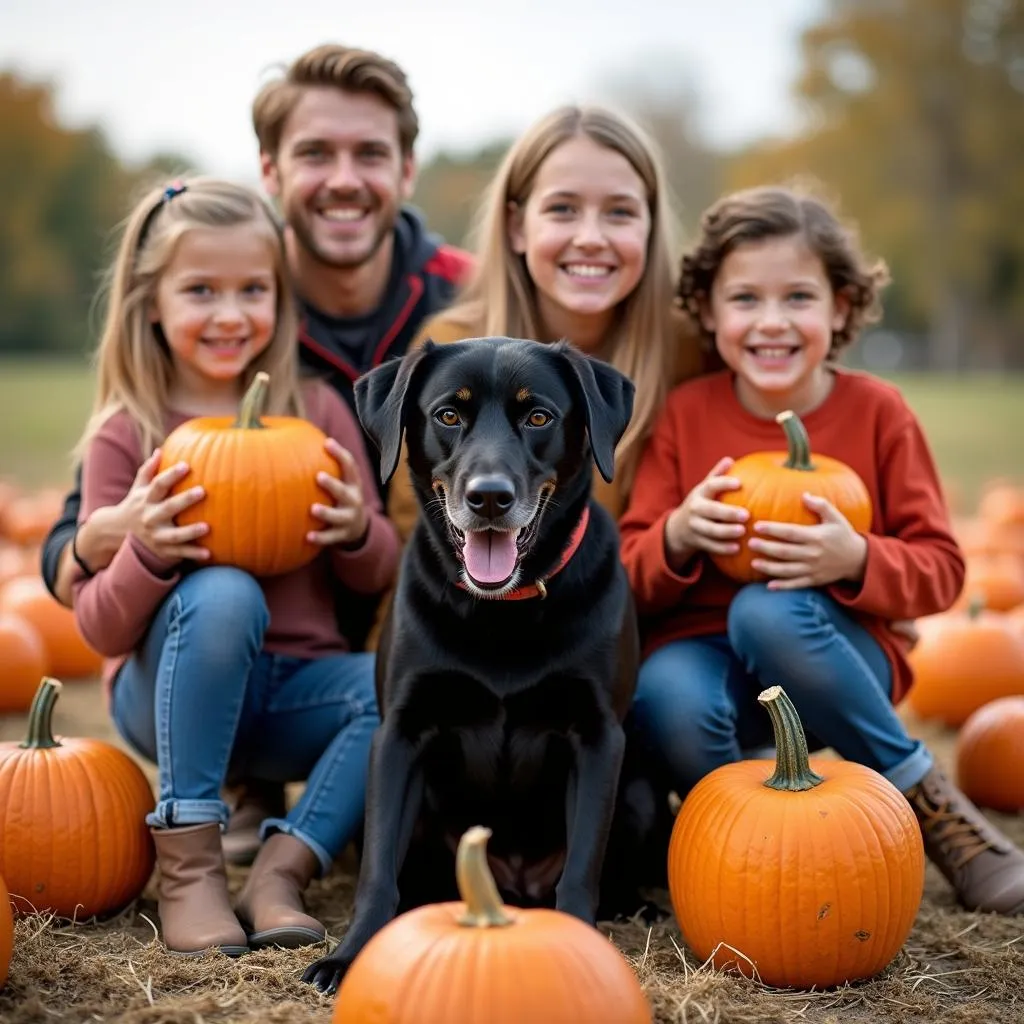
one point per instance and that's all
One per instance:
(956, 967)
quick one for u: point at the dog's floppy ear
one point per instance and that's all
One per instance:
(607, 401)
(381, 397)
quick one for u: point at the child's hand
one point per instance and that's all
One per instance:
(148, 512)
(809, 556)
(347, 519)
(701, 523)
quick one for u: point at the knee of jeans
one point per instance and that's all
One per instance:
(674, 716)
(226, 599)
(761, 619)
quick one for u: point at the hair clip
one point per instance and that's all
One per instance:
(174, 189)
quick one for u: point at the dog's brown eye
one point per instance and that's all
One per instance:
(539, 418)
(449, 417)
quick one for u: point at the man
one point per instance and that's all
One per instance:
(336, 135)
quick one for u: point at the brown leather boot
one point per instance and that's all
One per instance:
(195, 912)
(270, 903)
(984, 867)
(251, 801)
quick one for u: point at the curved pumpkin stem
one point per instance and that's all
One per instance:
(975, 606)
(253, 403)
(40, 716)
(798, 441)
(484, 908)
(793, 772)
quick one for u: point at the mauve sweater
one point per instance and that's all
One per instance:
(114, 608)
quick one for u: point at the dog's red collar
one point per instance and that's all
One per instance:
(539, 587)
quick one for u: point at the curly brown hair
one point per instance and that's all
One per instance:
(773, 212)
(338, 67)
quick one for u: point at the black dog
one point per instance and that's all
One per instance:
(508, 661)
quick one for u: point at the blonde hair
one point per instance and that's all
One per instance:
(336, 67)
(134, 371)
(500, 298)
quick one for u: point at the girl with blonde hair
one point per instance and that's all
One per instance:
(575, 240)
(210, 669)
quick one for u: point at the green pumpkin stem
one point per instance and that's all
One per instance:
(975, 606)
(484, 908)
(797, 440)
(793, 772)
(254, 402)
(40, 716)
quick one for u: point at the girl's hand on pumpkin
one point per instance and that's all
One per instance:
(799, 556)
(347, 520)
(149, 509)
(701, 523)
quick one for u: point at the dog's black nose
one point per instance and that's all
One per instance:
(491, 496)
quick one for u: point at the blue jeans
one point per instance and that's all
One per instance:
(200, 696)
(696, 700)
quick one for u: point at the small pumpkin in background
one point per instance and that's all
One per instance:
(964, 659)
(808, 875)
(990, 755)
(996, 580)
(67, 653)
(73, 836)
(6, 933)
(259, 473)
(1002, 502)
(478, 960)
(22, 663)
(773, 486)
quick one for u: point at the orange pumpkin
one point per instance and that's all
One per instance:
(964, 659)
(990, 755)
(996, 580)
(259, 473)
(6, 933)
(812, 875)
(67, 653)
(456, 963)
(22, 663)
(73, 836)
(773, 485)
(1002, 503)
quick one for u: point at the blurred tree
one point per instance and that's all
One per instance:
(64, 192)
(450, 187)
(915, 117)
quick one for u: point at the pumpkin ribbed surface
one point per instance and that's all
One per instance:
(73, 838)
(462, 962)
(811, 886)
(259, 474)
(773, 485)
(990, 755)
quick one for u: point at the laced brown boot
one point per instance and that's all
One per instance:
(251, 801)
(984, 867)
(195, 912)
(270, 904)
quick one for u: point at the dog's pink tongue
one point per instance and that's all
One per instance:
(489, 556)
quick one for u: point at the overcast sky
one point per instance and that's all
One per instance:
(181, 75)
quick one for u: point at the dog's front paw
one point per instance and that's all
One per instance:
(326, 973)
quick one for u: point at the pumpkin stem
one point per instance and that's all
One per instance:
(40, 716)
(793, 772)
(797, 440)
(253, 403)
(975, 606)
(484, 908)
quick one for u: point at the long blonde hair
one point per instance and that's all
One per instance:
(134, 371)
(501, 299)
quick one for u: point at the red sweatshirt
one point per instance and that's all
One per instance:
(115, 607)
(914, 567)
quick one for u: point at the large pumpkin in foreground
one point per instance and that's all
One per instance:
(475, 961)
(773, 485)
(73, 836)
(259, 473)
(812, 875)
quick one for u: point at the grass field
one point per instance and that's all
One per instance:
(975, 424)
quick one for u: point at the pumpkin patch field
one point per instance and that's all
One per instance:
(921, 958)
